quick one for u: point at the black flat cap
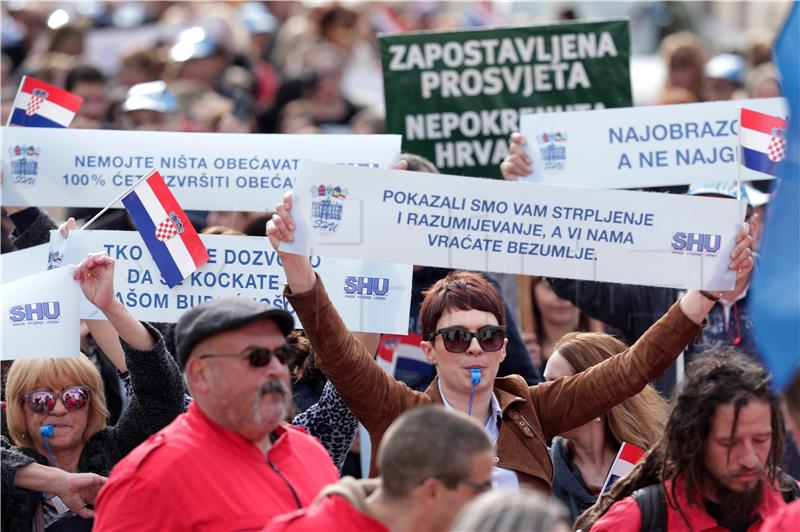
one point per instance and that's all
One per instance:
(224, 314)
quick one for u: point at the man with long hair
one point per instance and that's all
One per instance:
(717, 463)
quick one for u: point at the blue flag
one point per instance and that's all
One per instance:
(776, 284)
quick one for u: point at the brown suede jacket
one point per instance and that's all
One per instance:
(531, 415)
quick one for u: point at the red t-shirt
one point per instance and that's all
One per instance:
(333, 512)
(625, 514)
(194, 474)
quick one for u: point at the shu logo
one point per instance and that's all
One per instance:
(35, 313)
(366, 287)
(696, 244)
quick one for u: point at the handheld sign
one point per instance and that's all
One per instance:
(463, 91)
(40, 316)
(502, 226)
(641, 147)
(205, 171)
(371, 296)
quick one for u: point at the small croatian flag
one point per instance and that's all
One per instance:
(626, 458)
(399, 354)
(39, 104)
(165, 229)
(763, 140)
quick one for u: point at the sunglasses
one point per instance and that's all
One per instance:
(452, 482)
(261, 356)
(458, 339)
(44, 401)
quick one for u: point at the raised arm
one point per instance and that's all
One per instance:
(156, 380)
(629, 308)
(373, 396)
(572, 401)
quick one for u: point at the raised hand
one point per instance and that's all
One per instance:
(67, 226)
(517, 163)
(741, 261)
(281, 227)
(96, 276)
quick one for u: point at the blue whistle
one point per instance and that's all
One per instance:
(475, 376)
(47, 431)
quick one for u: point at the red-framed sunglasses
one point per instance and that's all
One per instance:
(43, 401)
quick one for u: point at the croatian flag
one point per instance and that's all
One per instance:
(398, 354)
(627, 457)
(763, 141)
(165, 228)
(39, 104)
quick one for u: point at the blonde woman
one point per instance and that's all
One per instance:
(583, 456)
(59, 447)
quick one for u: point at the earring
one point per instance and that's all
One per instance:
(598, 420)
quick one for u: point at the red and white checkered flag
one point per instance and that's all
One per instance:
(35, 103)
(166, 230)
(776, 151)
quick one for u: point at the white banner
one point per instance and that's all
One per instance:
(639, 147)
(205, 171)
(500, 226)
(40, 316)
(19, 264)
(370, 296)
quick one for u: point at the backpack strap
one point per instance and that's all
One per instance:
(794, 493)
(652, 501)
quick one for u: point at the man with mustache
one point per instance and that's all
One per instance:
(230, 462)
(717, 465)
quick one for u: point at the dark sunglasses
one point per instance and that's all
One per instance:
(458, 339)
(452, 482)
(43, 401)
(261, 356)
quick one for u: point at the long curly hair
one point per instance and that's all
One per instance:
(718, 377)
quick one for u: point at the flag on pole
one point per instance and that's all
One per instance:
(166, 230)
(627, 457)
(39, 104)
(776, 283)
(763, 141)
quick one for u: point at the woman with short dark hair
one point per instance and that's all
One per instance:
(464, 337)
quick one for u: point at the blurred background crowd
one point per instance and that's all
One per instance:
(314, 67)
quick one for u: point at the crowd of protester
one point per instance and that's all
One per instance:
(529, 388)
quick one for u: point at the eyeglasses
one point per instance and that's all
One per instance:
(43, 401)
(458, 339)
(260, 356)
(452, 482)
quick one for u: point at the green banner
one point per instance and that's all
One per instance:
(456, 96)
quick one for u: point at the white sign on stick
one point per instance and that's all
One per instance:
(205, 171)
(501, 226)
(639, 147)
(371, 296)
(40, 316)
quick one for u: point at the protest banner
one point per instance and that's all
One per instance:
(19, 264)
(40, 316)
(205, 171)
(456, 96)
(370, 296)
(501, 226)
(643, 146)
